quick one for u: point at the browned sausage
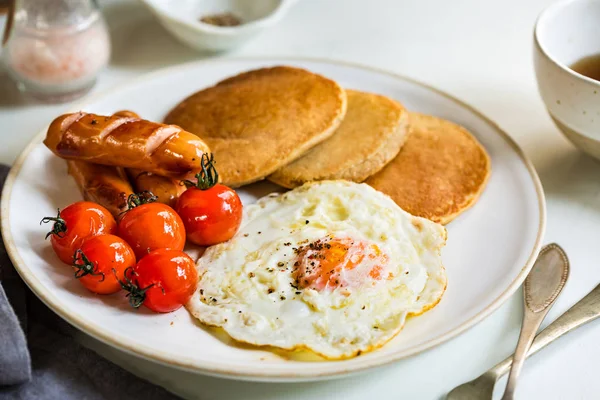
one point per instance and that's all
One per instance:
(102, 184)
(166, 189)
(126, 142)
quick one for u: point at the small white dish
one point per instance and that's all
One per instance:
(182, 19)
(565, 33)
(490, 249)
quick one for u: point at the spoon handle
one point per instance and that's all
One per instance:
(540, 290)
(584, 311)
(531, 324)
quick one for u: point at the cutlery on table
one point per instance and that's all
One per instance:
(545, 282)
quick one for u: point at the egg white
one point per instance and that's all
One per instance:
(246, 285)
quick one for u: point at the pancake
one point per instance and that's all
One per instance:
(258, 121)
(370, 136)
(440, 171)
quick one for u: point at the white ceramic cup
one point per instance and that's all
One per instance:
(565, 32)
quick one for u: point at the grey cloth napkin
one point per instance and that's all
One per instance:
(40, 360)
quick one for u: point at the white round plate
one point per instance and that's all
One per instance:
(490, 248)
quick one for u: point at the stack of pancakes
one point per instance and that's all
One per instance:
(292, 126)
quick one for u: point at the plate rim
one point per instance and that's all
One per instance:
(250, 373)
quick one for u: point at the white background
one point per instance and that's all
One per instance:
(479, 51)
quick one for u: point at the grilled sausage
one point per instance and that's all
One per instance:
(126, 142)
(166, 189)
(102, 184)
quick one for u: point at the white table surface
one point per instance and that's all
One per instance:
(479, 51)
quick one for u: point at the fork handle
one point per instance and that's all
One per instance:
(586, 310)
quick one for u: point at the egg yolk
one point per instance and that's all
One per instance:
(331, 263)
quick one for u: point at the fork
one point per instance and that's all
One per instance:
(586, 310)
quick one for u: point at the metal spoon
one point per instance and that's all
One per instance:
(542, 287)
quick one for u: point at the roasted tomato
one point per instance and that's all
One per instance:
(211, 212)
(75, 224)
(101, 262)
(163, 280)
(148, 226)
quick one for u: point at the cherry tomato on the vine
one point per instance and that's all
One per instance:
(148, 226)
(211, 212)
(75, 224)
(163, 280)
(101, 262)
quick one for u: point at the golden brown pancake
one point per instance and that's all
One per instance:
(261, 120)
(369, 137)
(440, 171)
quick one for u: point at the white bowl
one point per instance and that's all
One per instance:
(182, 19)
(564, 33)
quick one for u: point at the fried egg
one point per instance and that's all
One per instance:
(334, 267)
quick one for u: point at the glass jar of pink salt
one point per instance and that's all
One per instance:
(56, 48)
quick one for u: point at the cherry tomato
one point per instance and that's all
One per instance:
(101, 262)
(211, 212)
(163, 280)
(77, 223)
(149, 226)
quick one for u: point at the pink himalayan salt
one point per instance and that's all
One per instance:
(58, 55)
